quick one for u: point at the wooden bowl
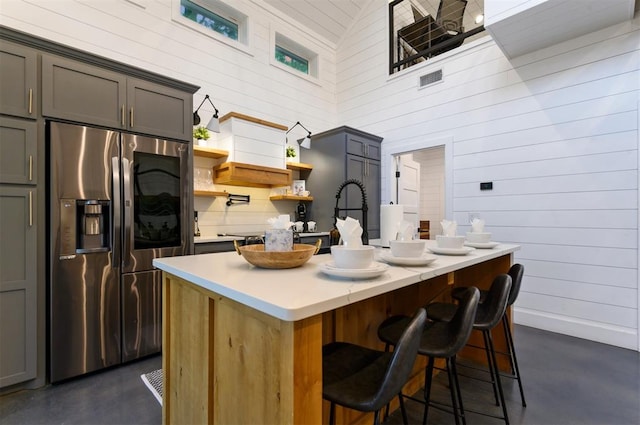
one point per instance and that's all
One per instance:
(256, 255)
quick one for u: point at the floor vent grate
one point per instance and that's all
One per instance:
(430, 78)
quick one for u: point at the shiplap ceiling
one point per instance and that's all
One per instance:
(551, 22)
(327, 18)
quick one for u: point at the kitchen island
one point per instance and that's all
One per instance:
(244, 345)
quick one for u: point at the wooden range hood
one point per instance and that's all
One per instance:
(239, 174)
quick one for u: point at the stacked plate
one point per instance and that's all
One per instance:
(482, 245)
(423, 260)
(451, 251)
(481, 240)
(375, 270)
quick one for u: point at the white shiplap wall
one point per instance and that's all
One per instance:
(557, 133)
(142, 33)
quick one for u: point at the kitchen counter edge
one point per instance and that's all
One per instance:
(290, 300)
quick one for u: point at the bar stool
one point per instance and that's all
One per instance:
(516, 272)
(366, 380)
(439, 340)
(488, 315)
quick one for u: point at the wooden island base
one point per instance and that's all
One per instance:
(227, 363)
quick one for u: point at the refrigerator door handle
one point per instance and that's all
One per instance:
(117, 219)
(127, 219)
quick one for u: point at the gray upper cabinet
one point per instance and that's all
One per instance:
(18, 151)
(159, 110)
(338, 155)
(360, 145)
(18, 285)
(92, 95)
(83, 93)
(18, 80)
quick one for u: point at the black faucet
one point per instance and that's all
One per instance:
(364, 208)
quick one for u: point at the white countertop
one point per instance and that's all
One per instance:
(298, 293)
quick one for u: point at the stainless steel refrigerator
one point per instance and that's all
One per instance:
(116, 202)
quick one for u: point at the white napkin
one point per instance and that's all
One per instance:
(405, 231)
(350, 231)
(280, 222)
(477, 225)
(449, 227)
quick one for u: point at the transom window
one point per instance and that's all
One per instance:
(215, 19)
(291, 59)
(291, 56)
(209, 19)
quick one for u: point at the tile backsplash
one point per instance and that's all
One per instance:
(214, 216)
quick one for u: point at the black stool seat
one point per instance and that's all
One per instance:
(488, 315)
(439, 340)
(364, 379)
(352, 375)
(516, 272)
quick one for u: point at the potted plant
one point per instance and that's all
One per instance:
(201, 134)
(291, 153)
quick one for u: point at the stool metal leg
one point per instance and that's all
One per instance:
(428, 378)
(512, 357)
(405, 419)
(452, 392)
(454, 369)
(386, 409)
(490, 366)
(497, 375)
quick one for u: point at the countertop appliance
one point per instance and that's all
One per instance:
(116, 202)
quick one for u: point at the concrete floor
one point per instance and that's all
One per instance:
(566, 381)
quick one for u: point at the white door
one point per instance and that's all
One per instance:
(408, 188)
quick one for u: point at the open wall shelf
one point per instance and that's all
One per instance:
(207, 152)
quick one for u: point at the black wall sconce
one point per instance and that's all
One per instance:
(214, 122)
(306, 142)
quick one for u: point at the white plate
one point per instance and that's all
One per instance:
(375, 270)
(423, 260)
(451, 251)
(482, 245)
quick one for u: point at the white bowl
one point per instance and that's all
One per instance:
(479, 237)
(359, 257)
(450, 241)
(413, 248)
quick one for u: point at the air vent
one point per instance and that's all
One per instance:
(431, 78)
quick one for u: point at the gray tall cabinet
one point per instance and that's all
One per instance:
(339, 155)
(21, 218)
(41, 80)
